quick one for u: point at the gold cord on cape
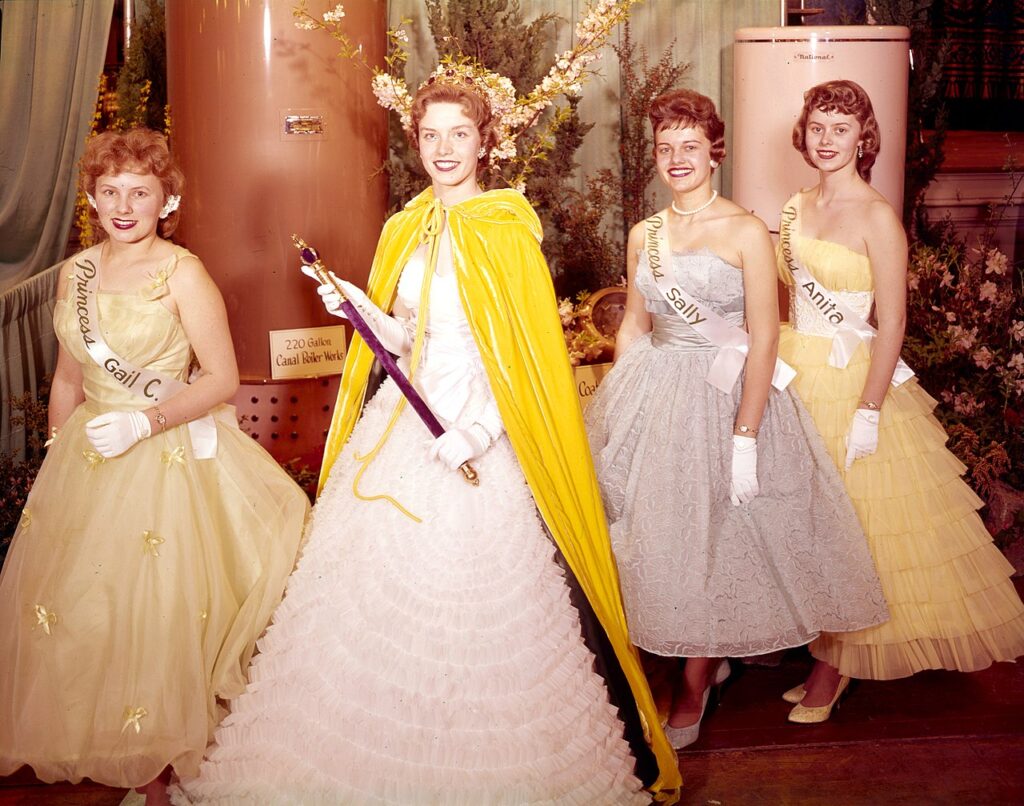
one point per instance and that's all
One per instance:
(506, 292)
(432, 225)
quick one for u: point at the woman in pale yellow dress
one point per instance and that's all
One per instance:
(157, 537)
(951, 601)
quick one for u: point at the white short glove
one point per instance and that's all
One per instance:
(394, 335)
(459, 445)
(862, 437)
(744, 487)
(113, 433)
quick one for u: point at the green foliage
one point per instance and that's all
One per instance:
(142, 82)
(926, 120)
(495, 34)
(586, 249)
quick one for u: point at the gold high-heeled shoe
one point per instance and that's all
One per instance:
(795, 694)
(810, 715)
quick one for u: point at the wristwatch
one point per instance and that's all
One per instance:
(160, 419)
(746, 430)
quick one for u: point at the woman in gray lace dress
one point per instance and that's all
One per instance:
(732, 531)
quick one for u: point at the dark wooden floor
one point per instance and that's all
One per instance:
(936, 738)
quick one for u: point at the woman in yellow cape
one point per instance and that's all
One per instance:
(428, 625)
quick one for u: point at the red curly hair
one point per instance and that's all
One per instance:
(141, 151)
(686, 109)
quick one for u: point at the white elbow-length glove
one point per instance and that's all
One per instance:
(113, 433)
(458, 445)
(743, 488)
(862, 436)
(393, 334)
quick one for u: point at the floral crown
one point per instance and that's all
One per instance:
(512, 115)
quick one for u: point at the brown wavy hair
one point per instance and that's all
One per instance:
(473, 105)
(141, 151)
(685, 109)
(845, 98)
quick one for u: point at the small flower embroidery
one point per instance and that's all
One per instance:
(176, 456)
(93, 459)
(133, 718)
(158, 287)
(45, 619)
(151, 543)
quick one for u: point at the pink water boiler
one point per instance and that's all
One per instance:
(773, 69)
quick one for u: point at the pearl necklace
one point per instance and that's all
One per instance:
(695, 210)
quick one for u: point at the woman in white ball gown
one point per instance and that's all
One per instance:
(427, 650)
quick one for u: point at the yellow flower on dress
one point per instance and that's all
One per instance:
(176, 456)
(133, 718)
(151, 543)
(45, 619)
(93, 459)
(158, 287)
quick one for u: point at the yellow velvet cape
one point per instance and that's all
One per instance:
(506, 291)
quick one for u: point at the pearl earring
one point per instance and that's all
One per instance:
(92, 201)
(860, 152)
(714, 163)
(170, 206)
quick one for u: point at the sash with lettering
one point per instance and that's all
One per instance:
(154, 387)
(851, 329)
(730, 340)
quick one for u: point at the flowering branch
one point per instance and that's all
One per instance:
(512, 115)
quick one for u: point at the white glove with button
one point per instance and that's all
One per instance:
(743, 488)
(113, 433)
(459, 445)
(862, 436)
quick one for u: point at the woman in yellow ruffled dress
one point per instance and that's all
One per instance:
(951, 601)
(157, 537)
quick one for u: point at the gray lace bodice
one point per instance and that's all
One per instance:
(703, 275)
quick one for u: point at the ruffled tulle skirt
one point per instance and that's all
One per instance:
(700, 576)
(437, 661)
(948, 587)
(132, 597)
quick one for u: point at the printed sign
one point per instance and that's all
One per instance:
(307, 352)
(588, 378)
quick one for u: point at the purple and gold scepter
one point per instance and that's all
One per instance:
(311, 258)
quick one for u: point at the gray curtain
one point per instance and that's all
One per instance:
(29, 348)
(51, 58)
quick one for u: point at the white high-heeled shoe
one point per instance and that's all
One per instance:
(684, 737)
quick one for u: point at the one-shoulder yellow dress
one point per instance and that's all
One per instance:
(136, 586)
(951, 601)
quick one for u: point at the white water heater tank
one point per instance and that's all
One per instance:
(773, 69)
